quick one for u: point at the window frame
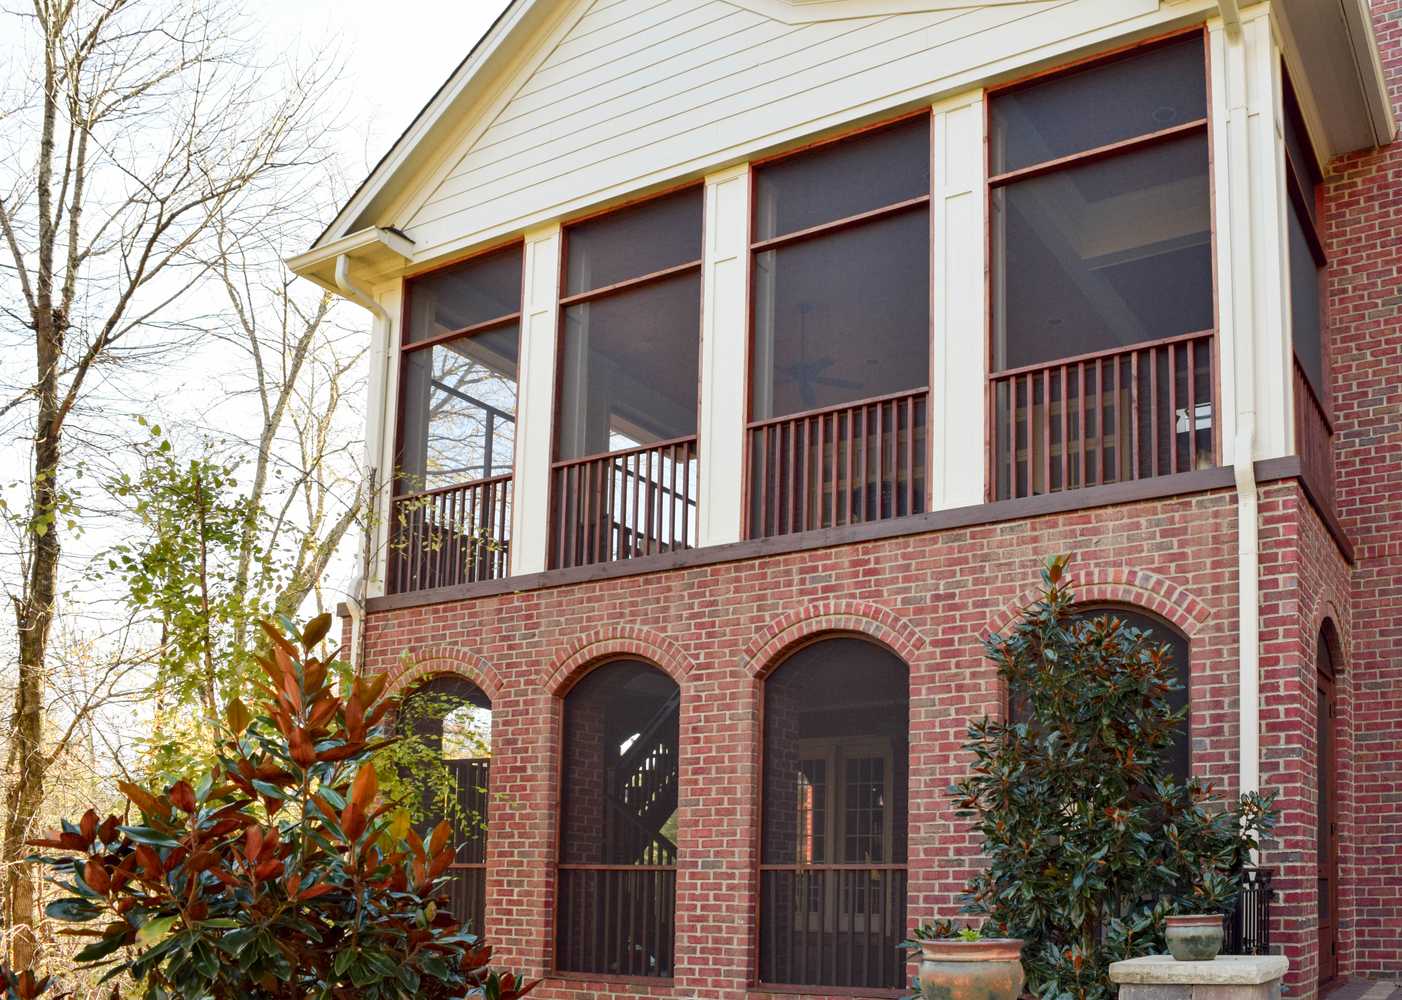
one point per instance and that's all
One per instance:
(560, 704)
(1304, 185)
(564, 300)
(754, 247)
(401, 350)
(832, 823)
(691, 521)
(1148, 140)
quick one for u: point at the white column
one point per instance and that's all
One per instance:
(724, 340)
(1251, 242)
(535, 403)
(383, 394)
(959, 353)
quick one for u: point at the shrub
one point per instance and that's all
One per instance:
(1090, 841)
(277, 875)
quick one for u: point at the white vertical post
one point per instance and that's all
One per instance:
(535, 403)
(959, 352)
(1252, 254)
(724, 341)
(383, 394)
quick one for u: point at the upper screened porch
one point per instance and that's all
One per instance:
(1055, 287)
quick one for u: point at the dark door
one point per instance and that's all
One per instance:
(1328, 856)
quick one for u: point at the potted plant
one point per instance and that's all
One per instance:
(1194, 937)
(966, 963)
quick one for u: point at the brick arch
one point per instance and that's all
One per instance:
(1117, 585)
(425, 663)
(1328, 617)
(856, 617)
(615, 642)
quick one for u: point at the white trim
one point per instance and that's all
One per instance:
(535, 406)
(959, 351)
(724, 350)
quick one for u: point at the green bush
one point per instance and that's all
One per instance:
(1090, 841)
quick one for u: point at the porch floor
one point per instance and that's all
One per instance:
(1365, 989)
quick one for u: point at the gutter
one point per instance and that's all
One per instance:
(355, 596)
(1368, 69)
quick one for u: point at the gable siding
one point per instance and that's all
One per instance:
(640, 92)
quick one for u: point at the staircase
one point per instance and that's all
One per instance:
(642, 791)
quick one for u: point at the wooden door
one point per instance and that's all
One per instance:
(1326, 720)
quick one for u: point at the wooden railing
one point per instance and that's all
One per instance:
(467, 874)
(616, 920)
(838, 465)
(450, 535)
(624, 504)
(1108, 417)
(1314, 440)
(832, 925)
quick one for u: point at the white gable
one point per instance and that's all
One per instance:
(632, 93)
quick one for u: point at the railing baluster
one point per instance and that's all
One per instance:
(1172, 408)
(820, 486)
(1192, 426)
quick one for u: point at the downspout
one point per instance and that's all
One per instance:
(1243, 459)
(355, 598)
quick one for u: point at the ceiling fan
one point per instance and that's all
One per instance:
(808, 375)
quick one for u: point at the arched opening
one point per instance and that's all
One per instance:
(1180, 755)
(618, 823)
(449, 760)
(1327, 652)
(834, 814)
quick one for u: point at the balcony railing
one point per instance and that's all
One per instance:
(624, 504)
(838, 465)
(833, 925)
(616, 920)
(1108, 417)
(1314, 440)
(451, 535)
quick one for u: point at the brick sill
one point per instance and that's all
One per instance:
(997, 512)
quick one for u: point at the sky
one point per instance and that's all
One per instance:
(394, 64)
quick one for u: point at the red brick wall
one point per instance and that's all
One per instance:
(1364, 226)
(716, 629)
(1304, 580)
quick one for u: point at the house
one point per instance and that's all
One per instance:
(736, 362)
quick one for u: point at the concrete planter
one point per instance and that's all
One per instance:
(990, 969)
(1194, 937)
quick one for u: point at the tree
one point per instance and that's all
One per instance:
(147, 125)
(275, 876)
(1090, 841)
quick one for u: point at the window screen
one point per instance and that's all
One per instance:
(1096, 252)
(841, 312)
(630, 356)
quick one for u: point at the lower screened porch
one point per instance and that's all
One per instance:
(731, 779)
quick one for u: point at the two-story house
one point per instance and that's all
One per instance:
(737, 362)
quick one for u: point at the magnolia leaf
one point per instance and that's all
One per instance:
(155, 931)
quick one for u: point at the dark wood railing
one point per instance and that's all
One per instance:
(838, 465)
(1314, 440)
(616, 920)
(467, 875)
(624, 504)
(832, 925)
(450, 535)
(1107, 417)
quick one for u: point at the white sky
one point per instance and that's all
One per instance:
(397, 53)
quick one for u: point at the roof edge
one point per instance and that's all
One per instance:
(515, 20)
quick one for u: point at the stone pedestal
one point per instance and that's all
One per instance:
(1227, 977)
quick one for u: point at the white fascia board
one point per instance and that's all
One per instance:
(373, 251)
(1358, 21)
(455, 93)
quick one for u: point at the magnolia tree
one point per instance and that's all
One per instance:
(279, 873)
(1090, 840)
